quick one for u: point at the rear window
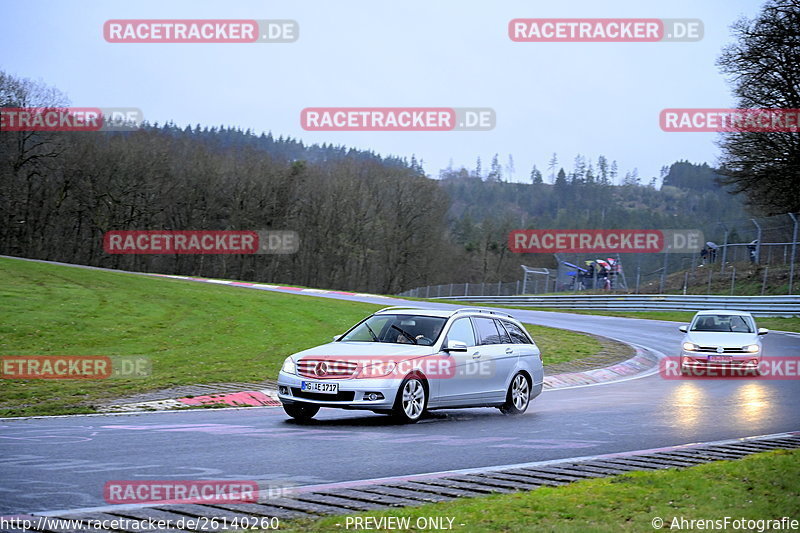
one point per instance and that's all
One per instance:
(517, 335)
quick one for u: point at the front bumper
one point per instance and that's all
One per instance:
(352, 393)
(743, 361)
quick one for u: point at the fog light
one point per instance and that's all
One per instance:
(372, 396)
(283, 390)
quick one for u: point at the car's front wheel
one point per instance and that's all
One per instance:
(300, 411)
(518, 397)
(412, 399)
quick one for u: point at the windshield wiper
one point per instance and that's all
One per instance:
(407, 334)
(374, 337)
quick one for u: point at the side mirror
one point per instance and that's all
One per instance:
(456, 346)
(763, 331)
(684, 329)
(336, 338)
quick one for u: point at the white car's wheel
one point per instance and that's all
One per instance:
(300, 411)
(518, 397)
(412, 399)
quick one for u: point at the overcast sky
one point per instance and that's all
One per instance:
(568, 98)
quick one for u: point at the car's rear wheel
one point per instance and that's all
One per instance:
(412, 399)
(301, 411)
(518, 397)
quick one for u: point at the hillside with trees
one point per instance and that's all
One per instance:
(367, 222)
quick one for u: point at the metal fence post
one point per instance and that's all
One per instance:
(685, 281)
(724, 249)
(794, 246)
(466, 289)
(764, 283)
(758, 241)
(733, 279)
(638, 274)
(710, 273)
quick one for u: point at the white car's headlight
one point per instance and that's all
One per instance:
(690, 347)
(752, 348)
(378, 370)
(289, 366)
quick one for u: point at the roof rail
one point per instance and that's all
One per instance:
(399, 307)
(479, 310)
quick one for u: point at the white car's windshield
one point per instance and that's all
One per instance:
(727, 323)
(400, 329)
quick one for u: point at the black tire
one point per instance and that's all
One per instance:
(518, 397)
(301, 411)
(411, 401)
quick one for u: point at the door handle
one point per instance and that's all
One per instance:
(509, 350)
(476, 355)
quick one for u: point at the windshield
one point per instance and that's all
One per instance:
(398, 329)
(730, 323)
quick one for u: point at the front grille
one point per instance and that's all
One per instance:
(341, 396)
(713, 349)
(325, 368)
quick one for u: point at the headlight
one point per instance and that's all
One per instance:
(752, 348)
(378, 370)
(690, 347)
(289, 366)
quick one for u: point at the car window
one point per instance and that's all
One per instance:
(400, 329)
(517, 335)
(723, 323)
(486, 330)
(505, 338)
(461, 330)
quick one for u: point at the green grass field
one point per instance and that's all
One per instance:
(758, 487)
(193, 332)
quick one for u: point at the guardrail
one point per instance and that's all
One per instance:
(757, 305)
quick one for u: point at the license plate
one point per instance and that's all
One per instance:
(316, 386)
(720, 358)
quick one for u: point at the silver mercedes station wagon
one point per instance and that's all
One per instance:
(404, 361)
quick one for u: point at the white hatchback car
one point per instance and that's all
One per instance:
(404, 361)
(721, 339)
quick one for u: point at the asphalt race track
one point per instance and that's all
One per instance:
(62, 463)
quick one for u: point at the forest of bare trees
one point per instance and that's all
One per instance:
(366, 222)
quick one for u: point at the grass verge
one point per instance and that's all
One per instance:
(193, 332)
(758, 487)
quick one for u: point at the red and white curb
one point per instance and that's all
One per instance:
(258, 398)
(643, 364)
(271, 287)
